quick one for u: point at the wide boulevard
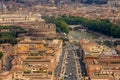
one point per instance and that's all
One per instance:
(70, 66)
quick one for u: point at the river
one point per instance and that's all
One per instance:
(76, 35)
(84, 35)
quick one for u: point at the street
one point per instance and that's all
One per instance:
(72, 66)
(69, 67)
(70, 72)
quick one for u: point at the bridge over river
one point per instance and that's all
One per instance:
(78, 31)
(75, 35)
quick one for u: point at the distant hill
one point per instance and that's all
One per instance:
(29, 1)
(94, 1)
(45, 1)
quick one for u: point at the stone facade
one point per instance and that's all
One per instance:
(43, 31)
(14, 19)
(0, 65)
(7, 50)
(36, 59)
(33, 23)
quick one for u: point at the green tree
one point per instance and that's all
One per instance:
(1, 54)
(11, 35)
(103, 26)
(60, 24)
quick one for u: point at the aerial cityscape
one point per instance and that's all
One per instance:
(59, 39)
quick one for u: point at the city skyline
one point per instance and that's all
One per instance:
(59, 40)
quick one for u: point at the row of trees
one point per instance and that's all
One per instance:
(61, 25)
(102, 26)
(8, 34)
